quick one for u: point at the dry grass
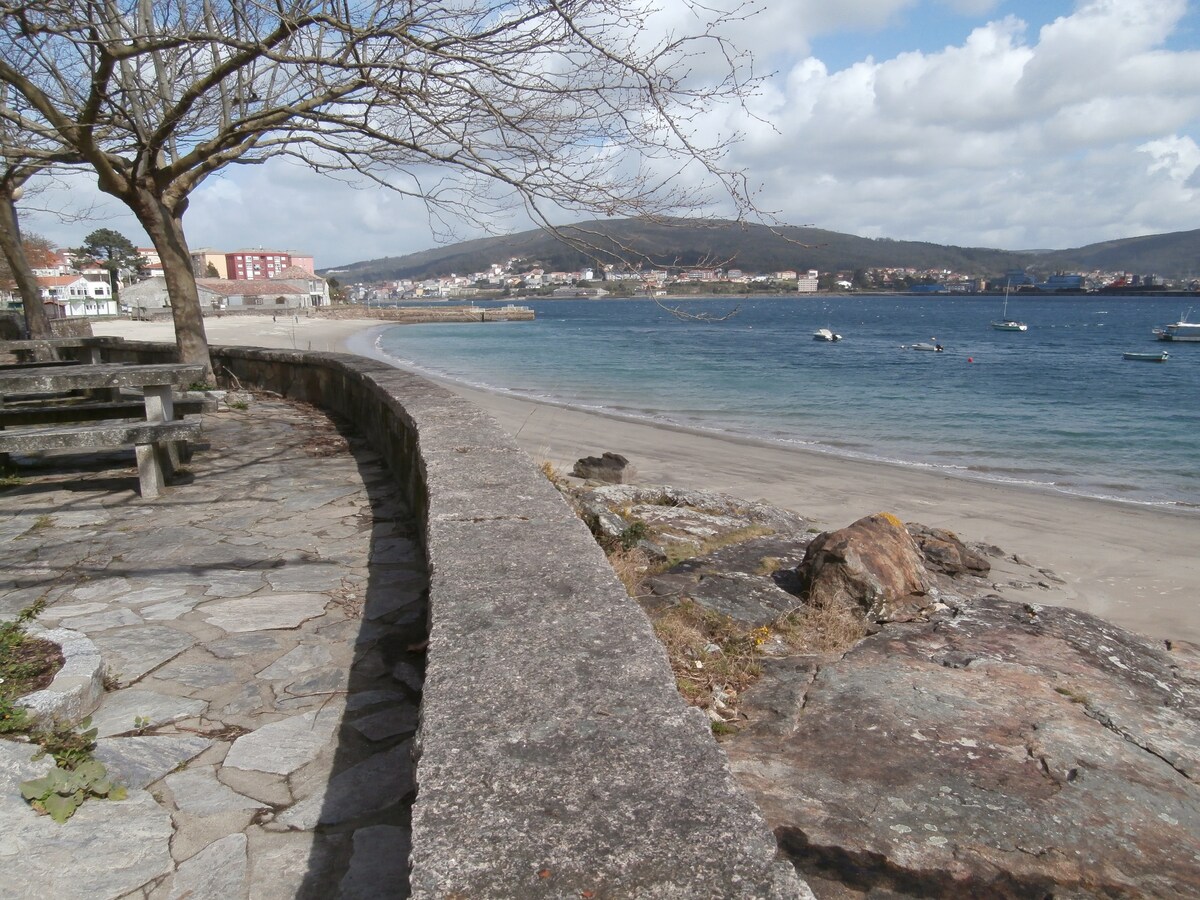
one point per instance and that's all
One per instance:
(631, 565)
(821, 628)
(713, 658)
(553, 474)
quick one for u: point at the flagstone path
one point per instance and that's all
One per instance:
(260, 628)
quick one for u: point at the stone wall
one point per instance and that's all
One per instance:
(413, 314)
(555, 756)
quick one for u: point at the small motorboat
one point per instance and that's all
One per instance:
(1161, 356)
(824, 334)
(931, 348)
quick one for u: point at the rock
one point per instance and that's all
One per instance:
(873, 563)
(1003, 750)
(611, 468)
(944, 552)
(740, 581)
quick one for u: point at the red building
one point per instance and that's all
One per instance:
(256, 265)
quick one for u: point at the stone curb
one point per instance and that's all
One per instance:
(77, 688)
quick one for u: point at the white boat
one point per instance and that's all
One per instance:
(1159, 356)
(932, 348)
(1183, 330)
(824, 334)
(1005, 323)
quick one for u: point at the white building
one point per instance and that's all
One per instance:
(74, 295)
(807, 283)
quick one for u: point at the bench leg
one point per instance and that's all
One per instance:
(150, 470)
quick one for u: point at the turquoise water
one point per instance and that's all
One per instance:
(1055, 406)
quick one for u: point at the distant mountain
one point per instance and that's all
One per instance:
(757, 248)
(1173, 255)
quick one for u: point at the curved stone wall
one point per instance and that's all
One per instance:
(556, 758)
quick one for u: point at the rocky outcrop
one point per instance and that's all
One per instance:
(971, 746)
(611, 468)
(997, 750)
(874, 564)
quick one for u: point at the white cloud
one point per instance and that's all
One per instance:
(998, 141)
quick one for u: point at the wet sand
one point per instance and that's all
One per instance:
(1137, 566)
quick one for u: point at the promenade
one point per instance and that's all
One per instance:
(261, 629)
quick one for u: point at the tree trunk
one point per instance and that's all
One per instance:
(165, 229)
(36, 323)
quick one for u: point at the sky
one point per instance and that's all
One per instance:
(1013, 124)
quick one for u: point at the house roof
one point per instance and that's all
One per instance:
(230, 288)
(58, 280)
(297, 272)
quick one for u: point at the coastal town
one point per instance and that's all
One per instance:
(516, 277)
(270, 281)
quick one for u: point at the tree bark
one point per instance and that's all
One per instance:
(165, 229)
(36, 323)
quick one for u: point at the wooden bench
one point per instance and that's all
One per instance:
(155, 444)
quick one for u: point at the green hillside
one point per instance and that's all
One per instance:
(757, 248)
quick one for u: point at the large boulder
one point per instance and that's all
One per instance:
(611, 468)
(874, 564)
(997, 750)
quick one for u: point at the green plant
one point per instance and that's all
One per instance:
(13, 718)
(140, 724)
(636, 531)
(239, 404)
(21, 665)
(68, 747)
(76, 776)
(60, 792)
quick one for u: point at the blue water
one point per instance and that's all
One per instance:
(1055, 406)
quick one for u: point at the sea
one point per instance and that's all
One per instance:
(1056, 406)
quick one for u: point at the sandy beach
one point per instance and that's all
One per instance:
(1137, 566)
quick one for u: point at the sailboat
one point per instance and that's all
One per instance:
(1005, 323)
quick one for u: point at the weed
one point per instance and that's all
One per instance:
(1072, 695)
(140, 724)
(62, 791)
(42, 522)
(239, 404)
(636, 531)
(26, 664)
(68, 747)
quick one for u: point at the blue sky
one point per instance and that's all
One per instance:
(924, 27)
(998, 123)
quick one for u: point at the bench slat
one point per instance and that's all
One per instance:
(108, 434)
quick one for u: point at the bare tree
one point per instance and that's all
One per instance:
(471, 105)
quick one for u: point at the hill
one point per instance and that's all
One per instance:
(757, 248)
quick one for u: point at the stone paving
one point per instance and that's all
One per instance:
(261, 628)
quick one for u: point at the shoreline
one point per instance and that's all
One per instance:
(1136, 566)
